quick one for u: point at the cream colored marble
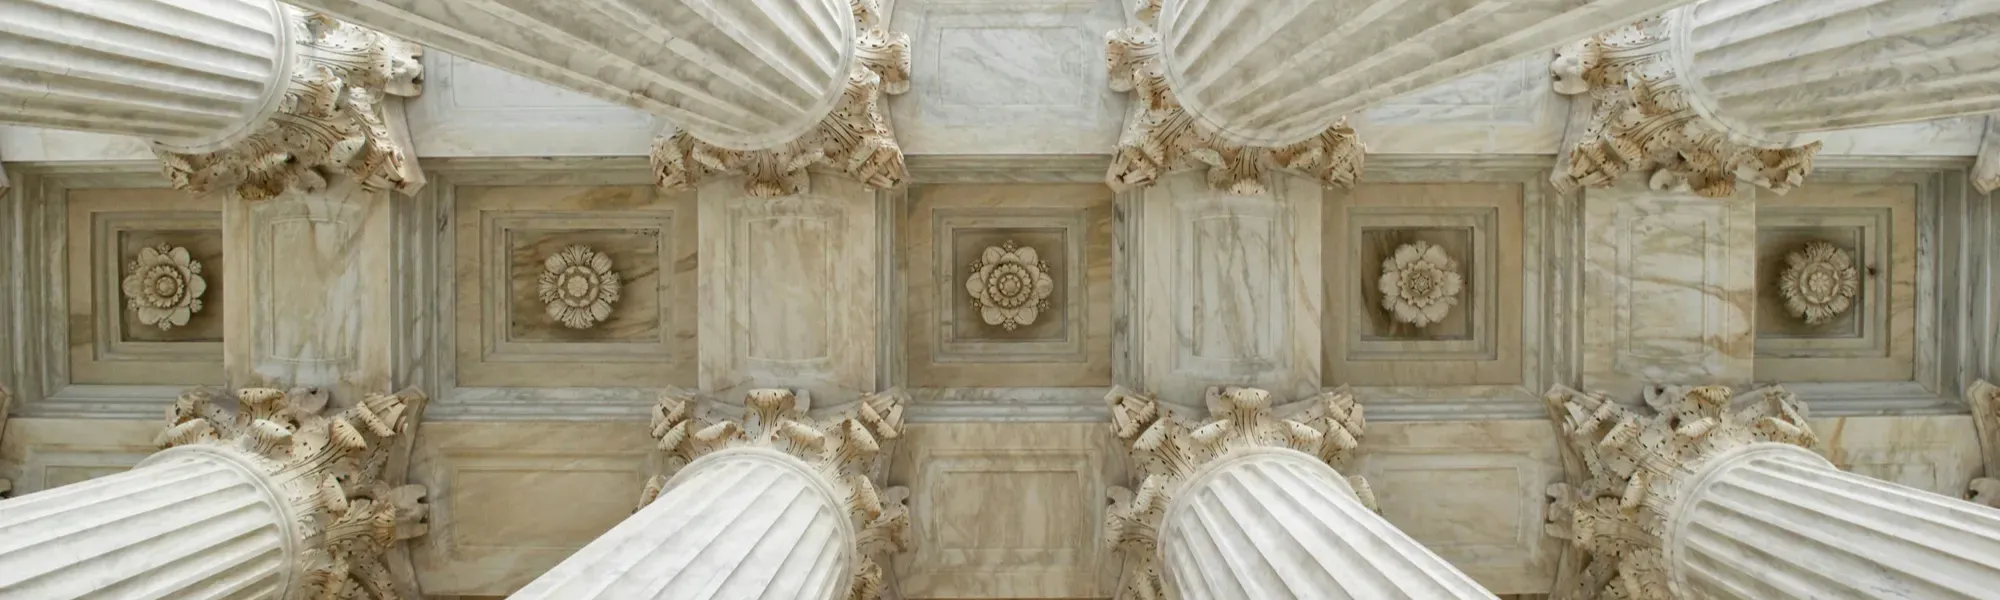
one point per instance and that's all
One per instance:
(738, 76)
(1940, 454)
(1225, 288)
(1877, 224)
(1668, 289)
(788, 289)
(1472, 492)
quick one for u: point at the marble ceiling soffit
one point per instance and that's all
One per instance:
(334, 119)
(1168, 450)
(1629, 470)
(342, 470)
(854, 138)
(1642, 119)
(1161, 136)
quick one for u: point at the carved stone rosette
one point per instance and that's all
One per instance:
(844, 451)
(1161, 137)
(331, 465)
(1643, 121)
(1819, 282)
(330, 122)
(854, 138)
(1636, 468)
(1168, 450)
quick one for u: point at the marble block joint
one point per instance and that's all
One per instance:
(771, 504)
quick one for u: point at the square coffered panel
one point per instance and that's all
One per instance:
(1847, 252)
(1009, 285)
(145, 287)
(1425, 331)
(574, 286)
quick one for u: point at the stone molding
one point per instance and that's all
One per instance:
(1169, 451)
(847, 452)
(1636, 470)
(1161, 137)
(338, 468)
(1644, 119)
(855, 138)
(334, 119)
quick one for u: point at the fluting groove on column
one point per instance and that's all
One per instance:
(194, 523)
(1247, 506)
(1636, 471)
(328, 466)
(1778, 521)
(853, 136)
(771, 505)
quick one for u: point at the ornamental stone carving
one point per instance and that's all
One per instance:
(1167, 449)
(1984, 399)
(331, 464)
(331, 121)
(164, 286)
(1010, 285)
(1643, 121)
(842, 450)
(1819, 282)
(578, 286)
(854, 138)
(1160, 136)
(1420, 283)
(1636, 467)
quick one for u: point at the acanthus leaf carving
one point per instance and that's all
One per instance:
(845, 451)
(855, 137)
(1643, 121)
(330, 464)
(1166, 449)
(1636, 469)
(331, 121)
(1161, 137)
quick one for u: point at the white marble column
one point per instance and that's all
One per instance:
(771, 505)
(249, 97)
(1256, 86)
(1247, 506)
(187, 523)
(1724, 89)
(283, 499)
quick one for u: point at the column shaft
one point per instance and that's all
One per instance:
(195, 75)
(1281, 524)
(1778, 521)
(190, 525)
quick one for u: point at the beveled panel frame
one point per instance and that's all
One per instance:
(1884, 221)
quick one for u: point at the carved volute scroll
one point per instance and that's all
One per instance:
(1637, 467)
(1167, 449)
(331, 122)
(334, 466)
(1160, 136)
(855, 138)
(1643, 121)
(845, 451)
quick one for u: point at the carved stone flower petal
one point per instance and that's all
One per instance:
(1819, 283)
(578, 286)
(1420, 283)
(1010, 285)
(163, 285)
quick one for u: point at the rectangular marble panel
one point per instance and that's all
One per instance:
(1937, 453)
(1471, 491)
(471, 109)
(1669, 288)
(109, 345)
(1007, 77)
(1875, 338)
(38, 454)
(788, 292)
(1226, 287)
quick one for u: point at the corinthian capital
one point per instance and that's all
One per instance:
(331, 121)
(854, 138)
(1630, 469)
(1645, 119)
(347, 508)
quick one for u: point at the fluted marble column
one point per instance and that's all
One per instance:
(250, 97)
(1724, 89)
(192, 523)
(1246, 87)
(771, 505)
(1246, 506)
(1717, 495)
